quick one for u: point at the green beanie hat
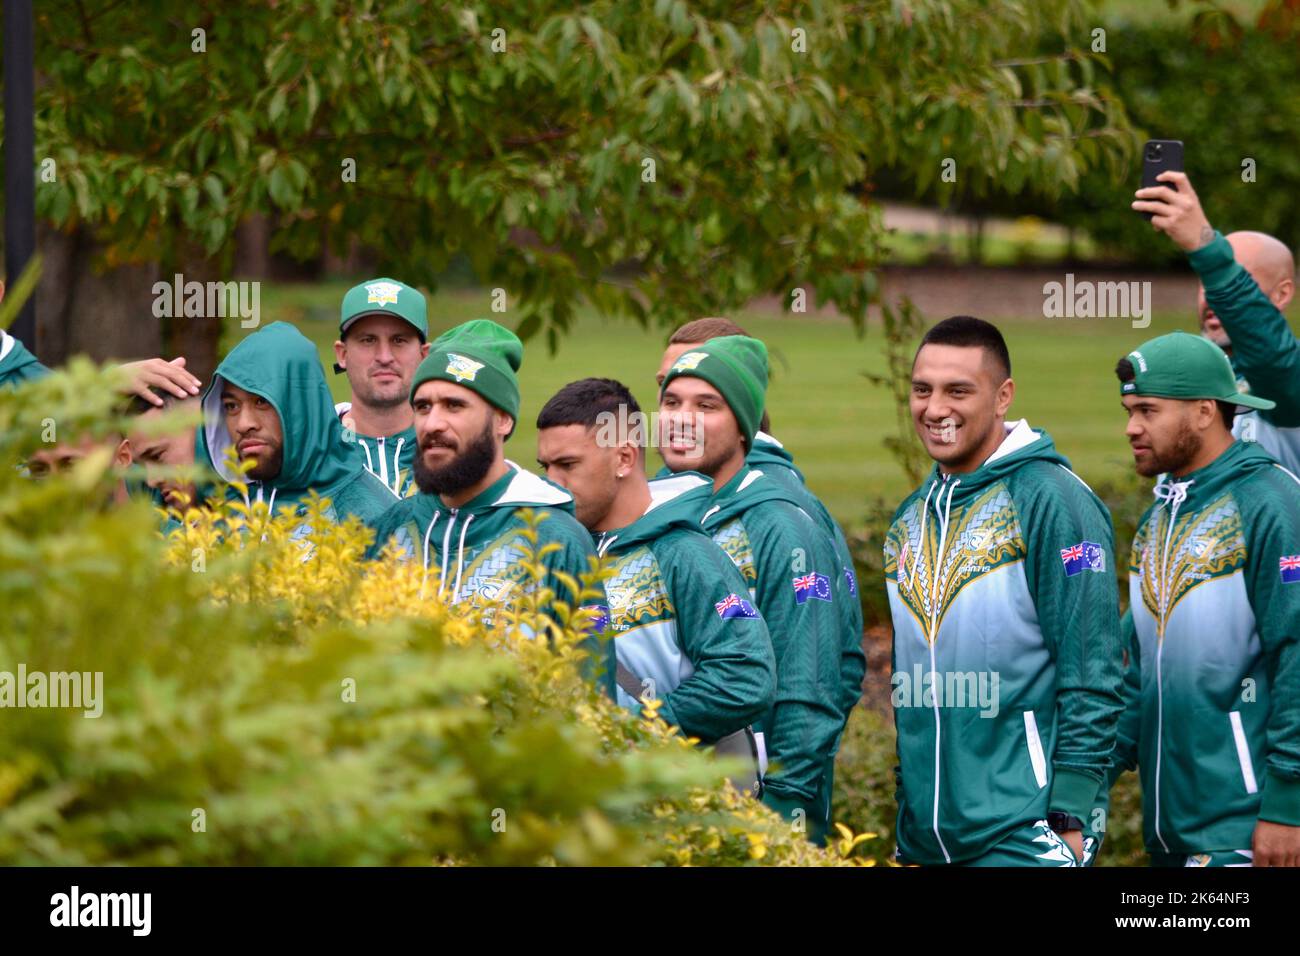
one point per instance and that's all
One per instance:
(480, 355)
(736, 365)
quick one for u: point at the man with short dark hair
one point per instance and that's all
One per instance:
(268, 400)
(382, 332)
(684, 630)
(710, 403)
(1213, 627)
(1007, 662)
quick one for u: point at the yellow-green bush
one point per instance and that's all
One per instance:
(263, 707)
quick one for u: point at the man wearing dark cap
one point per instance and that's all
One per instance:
(710, 403)
(382, 338)
(1212, 720)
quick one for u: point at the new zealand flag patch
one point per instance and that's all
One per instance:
(1084, 556)
(733, 605)
(1289, 566)
(812, 585)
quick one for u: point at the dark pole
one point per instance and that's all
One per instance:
(20, 158)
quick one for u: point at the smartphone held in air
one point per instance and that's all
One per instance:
(1158, 156)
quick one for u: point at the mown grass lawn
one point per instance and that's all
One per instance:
(822, 405)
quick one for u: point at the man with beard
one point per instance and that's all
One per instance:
(1247, 281)
(684, 630)
(1213, 713)
(711, 400)
(1007, 659)
(467, 526)
(268, 399)
(382, 332)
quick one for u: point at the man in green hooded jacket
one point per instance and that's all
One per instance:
(269, 401)
(709, 406)
(1007, 659)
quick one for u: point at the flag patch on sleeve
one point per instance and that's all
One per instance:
(1289, 566)
(812, 585)
(733, 605)
(1084, 556)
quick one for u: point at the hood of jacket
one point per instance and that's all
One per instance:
(16, 363)
(749, 487)
(1021, 446)
(280, 364)
(1206, 485)
(768, 451)
(517, 488)
(677, 501)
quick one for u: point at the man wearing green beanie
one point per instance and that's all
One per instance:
(1212, 718)
(710, 404)
(466, 525)
(382, 338)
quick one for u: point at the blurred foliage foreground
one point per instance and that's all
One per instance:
(266, 704)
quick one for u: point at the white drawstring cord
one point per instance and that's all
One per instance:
(370, 465)
(460, 559)
(397, 471)
(442, 570)
(925, 513)
(428, 531)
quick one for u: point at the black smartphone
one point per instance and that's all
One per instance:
(1158, 156)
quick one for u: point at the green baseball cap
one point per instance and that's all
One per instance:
(1185, 366)
(384, 297)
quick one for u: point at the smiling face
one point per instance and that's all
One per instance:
(959, 402)
(380, 354)
(697, 429)
(255, 429)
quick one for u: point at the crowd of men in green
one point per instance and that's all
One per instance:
(1020, 693)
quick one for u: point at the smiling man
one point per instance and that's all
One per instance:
(999, 572)
(382, 332)
(268, 399)
(710, 404)
(1213, 715)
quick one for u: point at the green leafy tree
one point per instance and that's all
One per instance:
(658, 160)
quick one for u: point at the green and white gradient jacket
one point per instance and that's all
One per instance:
(1007, 657)
(794, 578)
(772, 458)
(681, 616)
(1265, 353)
(1212, 720)
(473, 555)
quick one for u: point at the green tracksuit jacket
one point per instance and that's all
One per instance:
(681, 616)
(473, 554)
(279, 363)
(1265, 354)
(793, 574)
(1007, 655)
(390, 458)
(17, 365)
(771, 457)
(1212, 720)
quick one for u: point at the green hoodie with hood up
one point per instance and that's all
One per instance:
(1212, 721)
(1007, 655)
(794, 577)
(280, 364)
(681, 616)
(17, 365)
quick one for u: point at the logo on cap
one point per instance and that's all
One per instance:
(688, 362)
(463, 368)
(1142, 363)
(382, 293)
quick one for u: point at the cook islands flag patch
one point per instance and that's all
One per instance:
(1084, 556)
(1289, 566)
(812, 585)
(733, 605)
